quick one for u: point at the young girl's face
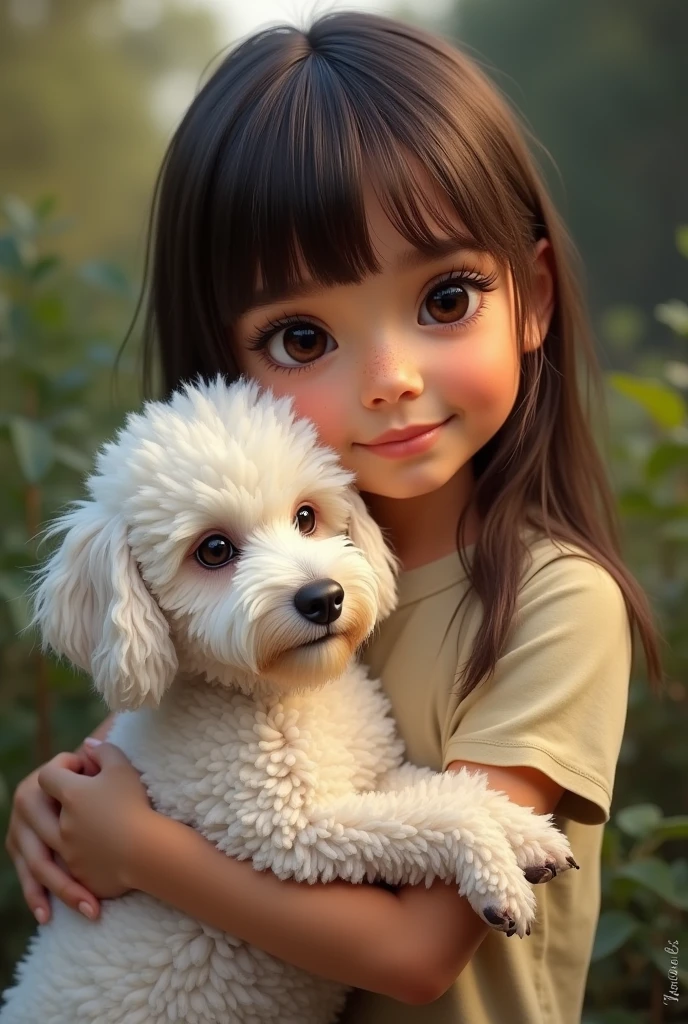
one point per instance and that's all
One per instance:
(424, 342)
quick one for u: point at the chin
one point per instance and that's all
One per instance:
(412, 481)
(312, 664)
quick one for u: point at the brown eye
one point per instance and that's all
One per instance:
(215, 551)
(452, 301)
(304, 342)
(305, 520)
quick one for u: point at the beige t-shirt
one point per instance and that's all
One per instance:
(557, 702)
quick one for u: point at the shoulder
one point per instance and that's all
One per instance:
(562, 580)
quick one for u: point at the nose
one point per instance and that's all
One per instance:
(320, 601)
(390, 374)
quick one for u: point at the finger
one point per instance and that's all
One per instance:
(91, 767)
(59, 882)
(56, 779)
(34, 894)
(44, 821)
(107, 754)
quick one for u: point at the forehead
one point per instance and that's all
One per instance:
(437, 230)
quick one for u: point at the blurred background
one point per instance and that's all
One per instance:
(90, 93)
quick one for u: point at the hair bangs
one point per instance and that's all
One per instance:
(300, 214)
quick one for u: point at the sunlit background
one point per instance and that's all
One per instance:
(90, 93)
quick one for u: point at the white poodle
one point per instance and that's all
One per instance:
(216, 587)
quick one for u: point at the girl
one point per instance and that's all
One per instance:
(349, 214)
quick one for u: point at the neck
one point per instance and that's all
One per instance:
(424, 528)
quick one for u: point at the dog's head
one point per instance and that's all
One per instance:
(222, 539)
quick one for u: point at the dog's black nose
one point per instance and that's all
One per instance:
(320, 601)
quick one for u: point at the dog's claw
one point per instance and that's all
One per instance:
(571, 861)
(539, 873)
(501, 921)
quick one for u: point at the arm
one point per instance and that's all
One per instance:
(410, 945)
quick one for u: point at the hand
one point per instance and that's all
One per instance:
(99, 818)
(33, 835)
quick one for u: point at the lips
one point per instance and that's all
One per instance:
(405, 434)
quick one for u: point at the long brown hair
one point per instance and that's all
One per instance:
(267, 169)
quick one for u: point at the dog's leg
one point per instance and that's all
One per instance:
(441, 827)
(541, 850)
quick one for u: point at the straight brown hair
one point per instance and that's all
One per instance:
(267, 169)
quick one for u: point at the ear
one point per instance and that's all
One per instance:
(366, 535)
(92, 607)
(543, 294)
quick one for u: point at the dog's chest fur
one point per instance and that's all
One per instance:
(243, 770)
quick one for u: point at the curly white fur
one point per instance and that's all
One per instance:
(272, 742)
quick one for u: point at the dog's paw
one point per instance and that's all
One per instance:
(538, 873)
(544, 853)
(511, 911)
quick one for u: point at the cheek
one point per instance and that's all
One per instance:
(323, 405)
(482, 377)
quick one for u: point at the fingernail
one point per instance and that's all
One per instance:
(91, 741)
(87, 910)
(41, 915)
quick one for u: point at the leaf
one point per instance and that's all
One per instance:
(637, 503)
(105, 275)
(672, 828)
(639, 820)
(655, 875)
(674, 314)
(666, 457)
(664, 405)
(614, 928)
(676, 373)
(33, 447)
(20, 216)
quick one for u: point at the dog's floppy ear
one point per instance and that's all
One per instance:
(92, 606)
(366, 535)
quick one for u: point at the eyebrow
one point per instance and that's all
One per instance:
(408, 260)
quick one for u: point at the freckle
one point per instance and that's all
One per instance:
(380, 364)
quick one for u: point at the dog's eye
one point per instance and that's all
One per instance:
(215, 551)
(305, 520)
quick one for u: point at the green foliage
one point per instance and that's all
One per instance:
(57, 353)
(645, 867)
(89, 90)
(603, 87)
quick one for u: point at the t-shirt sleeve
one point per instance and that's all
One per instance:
(559, 696)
